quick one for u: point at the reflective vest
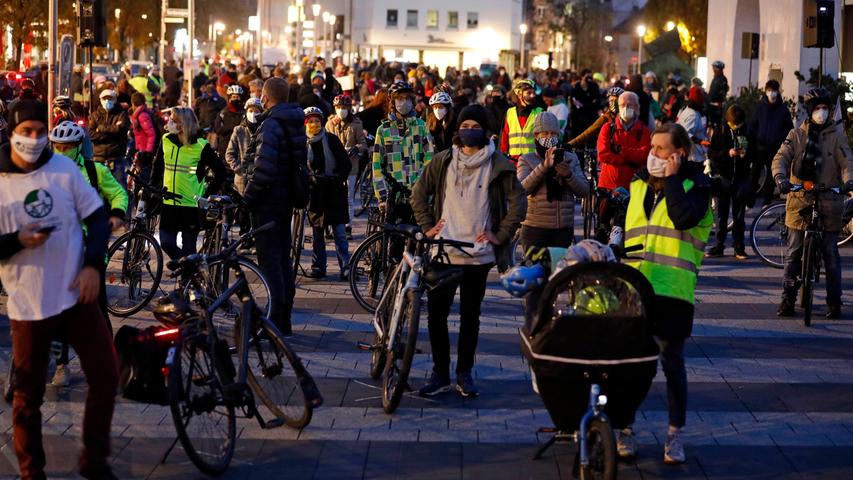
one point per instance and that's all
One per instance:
(158, 82)
(180, 174)
(140, 84)
(670, 258)
(521, 140)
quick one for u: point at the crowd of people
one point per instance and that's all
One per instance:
(460, 155)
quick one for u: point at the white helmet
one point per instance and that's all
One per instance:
(440, 98)
(67, 132)
(585, 251)
(254, 102)
(235, 90)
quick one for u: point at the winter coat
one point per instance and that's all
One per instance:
(351, 134)
(771, 124)
(108, 131)
(207, 108)
(633, 145)
(144, 133)
(542, 213)
(371, 119)
(280, 144)
(240, 154)
(693, 121)
(723, 140)
(507, 200)
(835, 170)
(224, 124)
(328, 203)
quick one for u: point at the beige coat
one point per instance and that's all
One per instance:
(540, 212)
(352, 135)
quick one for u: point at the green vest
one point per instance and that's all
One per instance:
(140, 84)
(180, 174)
(670, 257)
(521, 140)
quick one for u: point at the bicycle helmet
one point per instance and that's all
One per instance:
(615, 91)
(586, 251)
(172, 310)
(523, 84)
(440, 98)
(67, 132)
(254, 102)
(596, 300)
(344, 101)
(399, 88)
(62, 101)
(235, 90)
(313, 112)
(817, 96)
(521, 280)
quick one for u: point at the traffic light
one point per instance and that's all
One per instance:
(91, 23)
(819, 26)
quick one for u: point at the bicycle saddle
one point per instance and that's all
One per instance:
(410, 230)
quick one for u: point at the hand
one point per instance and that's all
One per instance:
(733, 152)
(487, 236)
(116, 223)
(383, 206)
(434, 231)
(549, 157)
(564, 169)
(784, 185)
(89, 283)
(673, 164)
(29, 236)
(336, 120)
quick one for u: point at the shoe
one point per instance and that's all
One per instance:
(833, 312)
(716, 251)
(98, 473)
(741, 254)
(437, 384)
(673, 450)
(786, 308)
(316, 273)
(61, 378)
(349, 233)
(465, 385)
(329, 234)
(626, 444)
(345, 274)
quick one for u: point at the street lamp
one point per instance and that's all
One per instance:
(322, 33)
(316, 9)
(523, 29)
(669, 26)
(608, 38)
(641, 32)
(218, 28)
(332, 20)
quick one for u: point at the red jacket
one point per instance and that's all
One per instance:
(144, 133)
(617, 169)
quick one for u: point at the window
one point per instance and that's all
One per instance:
(411, 19)
(391, 18)
(432, 20)
(452, 19)
(473, 19)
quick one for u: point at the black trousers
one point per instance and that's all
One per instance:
(765, 158)
(546, 237)
(273, 247)
(472, 289)
(734, 195)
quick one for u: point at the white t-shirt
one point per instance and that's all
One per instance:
(39, 279)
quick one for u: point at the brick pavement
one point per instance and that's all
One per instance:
(768, 399)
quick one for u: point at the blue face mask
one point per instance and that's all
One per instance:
(471, 137)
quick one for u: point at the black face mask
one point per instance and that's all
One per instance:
(540, 150)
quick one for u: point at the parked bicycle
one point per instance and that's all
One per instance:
(589, 204)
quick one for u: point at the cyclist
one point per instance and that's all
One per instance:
(51, 274)
(693, 120)
(181, 165)
(240, 154)
(228, 118)
(771, 125)
(109, 126)
(62, 111)
(402, 149)
(349, 129)
(717, 94)
(440, 120)
(145, 85)
(330, 165)
(815, 152)
(608, 116)
(517, 135)
(145, 135)
(450, 201)
(208, 106)
(557, 105)
(623, 144)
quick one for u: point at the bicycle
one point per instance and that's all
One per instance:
(204, 386)
(133, 255)
(398, 312)
(589, 203)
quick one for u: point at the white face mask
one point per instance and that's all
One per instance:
(343, 113)
(656, 166)
(252, 116)
(440, 113)
(28, 148)
(108, 104)
(772, 95)
(819, 116)
(171, 127)
(403, 106)
(626, 114)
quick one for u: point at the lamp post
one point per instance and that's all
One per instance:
(300, 12)
(641, 32)
(218, 28)
(118, 35)
(609, 40)
(323, 37)
(332, 20)
(523, 29)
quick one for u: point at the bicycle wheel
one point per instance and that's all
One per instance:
(809, 265)
(297, 239)
(364, 191)
(847, 217)
(762, 181)
(769, 235)
(383, 311)
(398, 361)
(371, 265)
(205, 424)
(134, 269)
(225, 317)
(601, 448)
(517, 250)
(589, 216)
(276, 374)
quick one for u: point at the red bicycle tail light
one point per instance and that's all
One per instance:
(808, 186)
(165, 371)
(167, 333)
(18, 76)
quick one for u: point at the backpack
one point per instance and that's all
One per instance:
(159, 128)
(297, 182)
(142, 356)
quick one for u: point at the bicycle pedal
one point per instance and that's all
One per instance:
(367, 346)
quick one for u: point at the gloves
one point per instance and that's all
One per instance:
(784, 185)
(848, 187)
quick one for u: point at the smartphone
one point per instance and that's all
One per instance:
(559, 155)
(46, 229)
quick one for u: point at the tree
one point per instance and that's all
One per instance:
(136, 26)
(691, 16)
(586, 21)
(21, 15)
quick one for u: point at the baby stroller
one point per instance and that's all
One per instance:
(589, 344)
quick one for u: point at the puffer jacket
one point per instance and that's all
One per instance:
(240, 154)
(108, 131)
(144, 133)
(835, 170)
(540, 212)
(281, 143)
(351, 134)
(622, 152)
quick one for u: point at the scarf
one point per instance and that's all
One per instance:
(321, 160)
(465, 170)
(812, 158)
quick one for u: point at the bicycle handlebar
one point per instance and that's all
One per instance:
(196, 258)
(160, 192)
(814, 188)
(415, 233)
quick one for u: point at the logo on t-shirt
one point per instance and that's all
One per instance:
(38, 203)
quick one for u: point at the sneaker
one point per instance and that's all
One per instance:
(833, 312)
(345, 274)
(349, 233)
(716, 251)
(315, 273)
(465, 385)
(437, 384)
(673, 450)
(61, 378)
(740, 254)
(626, 444)
(786, 308)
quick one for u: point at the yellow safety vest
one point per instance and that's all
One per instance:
(521, 140)
(140, 84)
(181, 171)
(670, 258)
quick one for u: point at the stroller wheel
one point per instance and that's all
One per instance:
(601, 446)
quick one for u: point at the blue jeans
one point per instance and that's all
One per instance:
(831, 265)
(341, 247)
(672, 361)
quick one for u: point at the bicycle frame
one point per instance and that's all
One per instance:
(411, 270)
